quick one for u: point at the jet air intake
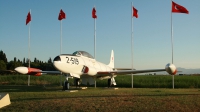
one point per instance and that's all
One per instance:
(57, 58)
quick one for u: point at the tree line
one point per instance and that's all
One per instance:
(11, 65)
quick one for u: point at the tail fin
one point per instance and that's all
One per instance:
(111, 64)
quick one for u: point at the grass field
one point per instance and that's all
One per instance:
(150, 93)
(154, 81)
(51, 98)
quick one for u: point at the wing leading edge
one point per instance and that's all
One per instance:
(169, 68)
(123, 72)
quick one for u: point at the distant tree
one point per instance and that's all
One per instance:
(27, 60)
(35, 65)
(3, 56)
(2, 65)
(16, 63)
(12, 65)
(24, 61)
(19, 61)
(15, 59)
(35, 60)
(50, 61)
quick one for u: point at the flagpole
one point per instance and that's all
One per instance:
(29, 38)
(61, 49)
(29, 54)
(29, 45)
(95, 43)
(172, 47)
(29, 33)
(94, 38)
(172, 36)
(61, 37)
(132, 40)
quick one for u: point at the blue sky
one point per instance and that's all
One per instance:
(151, 31)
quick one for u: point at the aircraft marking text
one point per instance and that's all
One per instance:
(72, 60)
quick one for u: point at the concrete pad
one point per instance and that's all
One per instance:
(4, 99)
(71, 90)
(112, 88)
(83, 87)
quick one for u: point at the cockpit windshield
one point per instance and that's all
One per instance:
(83, 53)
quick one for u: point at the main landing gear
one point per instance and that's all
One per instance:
(77, 82)
(66, 83)
(111, 82)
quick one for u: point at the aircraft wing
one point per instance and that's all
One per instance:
(122, 72)
(48, 72)
(123, 69)
(169, 68)
(7, 71)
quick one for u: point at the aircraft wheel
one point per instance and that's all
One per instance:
(66, 86)
(109, 83)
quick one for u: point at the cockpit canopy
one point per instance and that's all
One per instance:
(83, 53)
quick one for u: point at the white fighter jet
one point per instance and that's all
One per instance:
(82, 65)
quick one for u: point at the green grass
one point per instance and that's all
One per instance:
(51, 98)
(150, 93)
(159, 81)
(34, 80)
(154, 81)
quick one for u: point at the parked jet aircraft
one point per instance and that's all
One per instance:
(83, 66)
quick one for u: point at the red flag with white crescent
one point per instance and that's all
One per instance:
(176, 8)
(61, 15)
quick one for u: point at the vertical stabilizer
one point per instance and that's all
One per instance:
(111, 64)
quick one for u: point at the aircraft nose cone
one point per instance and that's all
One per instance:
(22, 70)
(57, 58)
(57, 62)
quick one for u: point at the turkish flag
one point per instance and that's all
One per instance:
(94, 13)
(28, 18)
(176, 8)
(61, 15)
(135, 12)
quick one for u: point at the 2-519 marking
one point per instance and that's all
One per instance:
(72, 60)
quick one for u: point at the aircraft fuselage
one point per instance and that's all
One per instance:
(79, 65)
